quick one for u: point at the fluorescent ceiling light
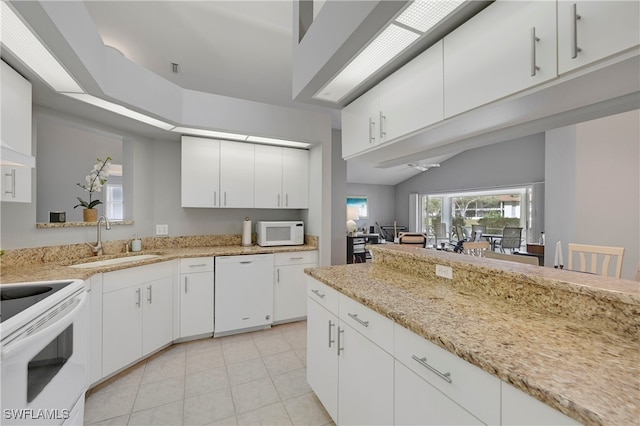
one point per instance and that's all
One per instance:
(119, 109)
(424, 15)
(280, 142)
(413, 23)
(239, 137)
(20, 41)
(423, 167)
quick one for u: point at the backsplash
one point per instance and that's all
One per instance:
(72, 252)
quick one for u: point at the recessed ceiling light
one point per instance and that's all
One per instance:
(424, 15)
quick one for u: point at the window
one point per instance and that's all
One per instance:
(495, 209)
(114, 205)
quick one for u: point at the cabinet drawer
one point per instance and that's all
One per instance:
(196, 264)
(324, 295)
(371, 324)
(475, 390)
(296, 257)
(124, 278)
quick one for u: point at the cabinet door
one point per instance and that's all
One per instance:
(16, 184)
(365, 380)
(236, 174)
(322, 359)
(289, 293)
(494, 54)
(518, 408)
(419, 403)
(295, 178)
(603, 28)
(157, 318)
(411, 98)
(196, 304)
(200, 172)
(15, 110)
(268, 177)
(360, 120)
(121, 328)
(95, 329)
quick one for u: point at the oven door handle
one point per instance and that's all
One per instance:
(53, 326)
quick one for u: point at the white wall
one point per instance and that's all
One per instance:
(593, 185)
(381, 204)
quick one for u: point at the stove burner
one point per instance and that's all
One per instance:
(15, 298)
(19, 292)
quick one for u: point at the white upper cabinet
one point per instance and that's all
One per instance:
(281, 177)
(592, 30)
(236, 174)
(508, 47)
(360, 121)
(295, 178)
(411, 98)
(200, 172)
(406, 101)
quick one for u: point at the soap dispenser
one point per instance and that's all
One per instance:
(136, 244)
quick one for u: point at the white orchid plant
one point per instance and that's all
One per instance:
(94, 183)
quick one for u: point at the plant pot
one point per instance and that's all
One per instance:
(90, 215)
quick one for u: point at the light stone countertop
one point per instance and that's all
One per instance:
(45, 271)
(589, 370)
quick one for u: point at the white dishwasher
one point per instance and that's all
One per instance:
(243, 293)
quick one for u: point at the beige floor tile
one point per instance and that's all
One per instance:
(129, 378)
(116, 421)
(205, 381)
(168, 352)
(281, 363)
(271, 344)
(252, 395)
(169, 414)
(296, 339)
(204, 361)
(240, 351)
(201, 345)
(237, 338)
(246, 371)
(159, 393)
(302, 355)
(229, 421)
(106, 405)
(208, 408)
(307, 410)
(274, 414)
(293, 383)
(161, 368)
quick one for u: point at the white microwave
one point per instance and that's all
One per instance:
(283, 233)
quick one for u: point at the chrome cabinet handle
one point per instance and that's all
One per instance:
(331, 325)
(534, 67)
(372, 123)
(355, 317)
(423, 361)
(215, 198)
(286, 200)
(296, 258)
(340, 331)
(246, 262)
(149, 298)
(383, 118)
(317, 293)
(574, 31)
(225, 198)
(186, 285)
(278, 275)
(197, 265)
(11, 175)
(278, 200)
(138, 294)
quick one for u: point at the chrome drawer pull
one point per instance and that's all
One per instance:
(331, 325)
(423, 361)
(317, 293)
(355, 317)
(197, 265)
(296, 258)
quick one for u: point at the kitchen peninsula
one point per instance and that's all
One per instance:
(568, 339)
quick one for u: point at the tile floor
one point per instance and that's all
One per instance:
(245, 379)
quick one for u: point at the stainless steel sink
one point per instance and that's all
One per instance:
(115, 261)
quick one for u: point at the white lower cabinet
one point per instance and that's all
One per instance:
(351, 374)
(137, 314)
(94, 288)
(419, 403)
(196, 296)
(289, 288)
(518, 408)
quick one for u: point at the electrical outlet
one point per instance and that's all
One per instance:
(444, 271)
(162, 229)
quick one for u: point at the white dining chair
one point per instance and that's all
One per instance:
(476, 248)
(529, 260)
(598, 259)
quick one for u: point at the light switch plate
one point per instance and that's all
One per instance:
(162, 229)
(444, 271)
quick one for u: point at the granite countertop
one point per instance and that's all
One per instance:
(45, 271)
(585, 370)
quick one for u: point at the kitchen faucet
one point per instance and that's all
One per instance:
(97, 249)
